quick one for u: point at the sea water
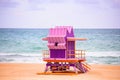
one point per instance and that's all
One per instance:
(25, 45)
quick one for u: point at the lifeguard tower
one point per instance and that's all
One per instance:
(62, 53)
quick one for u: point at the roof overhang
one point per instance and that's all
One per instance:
(75, 39)
(45, 39)
(69, 39)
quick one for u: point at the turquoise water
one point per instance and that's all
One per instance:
(100, 39)
(25, 45)
(22, 40)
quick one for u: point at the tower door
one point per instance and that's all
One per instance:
(71, 49)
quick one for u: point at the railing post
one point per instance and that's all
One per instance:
(46, 54)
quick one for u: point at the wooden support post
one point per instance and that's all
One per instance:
(46, 69)
(75, 70)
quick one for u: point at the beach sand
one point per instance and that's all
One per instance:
(32, 71)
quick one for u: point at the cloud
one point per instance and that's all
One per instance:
(43, 4)
(20, 5)
(85, 13)
(35, 4)
(47, 1)
(111, 4)
(86, 1)
(8, 3)
(116, 4)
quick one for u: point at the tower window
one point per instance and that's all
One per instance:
(56, 43)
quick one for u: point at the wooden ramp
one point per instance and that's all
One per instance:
(83, 67)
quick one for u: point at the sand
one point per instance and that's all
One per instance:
(29, 71)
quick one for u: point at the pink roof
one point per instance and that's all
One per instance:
(60, 31)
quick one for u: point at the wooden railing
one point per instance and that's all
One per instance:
(46, 53)
(76, 54)
(80, 54)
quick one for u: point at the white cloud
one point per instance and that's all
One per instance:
(78, 13)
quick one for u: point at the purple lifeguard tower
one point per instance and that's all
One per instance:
(62, 53)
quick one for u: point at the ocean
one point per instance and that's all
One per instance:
(25, 45)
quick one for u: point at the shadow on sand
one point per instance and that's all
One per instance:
(59, 73)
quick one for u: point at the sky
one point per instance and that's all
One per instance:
(50, 13)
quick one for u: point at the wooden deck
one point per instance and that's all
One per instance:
(63, 60)
(78, 56)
